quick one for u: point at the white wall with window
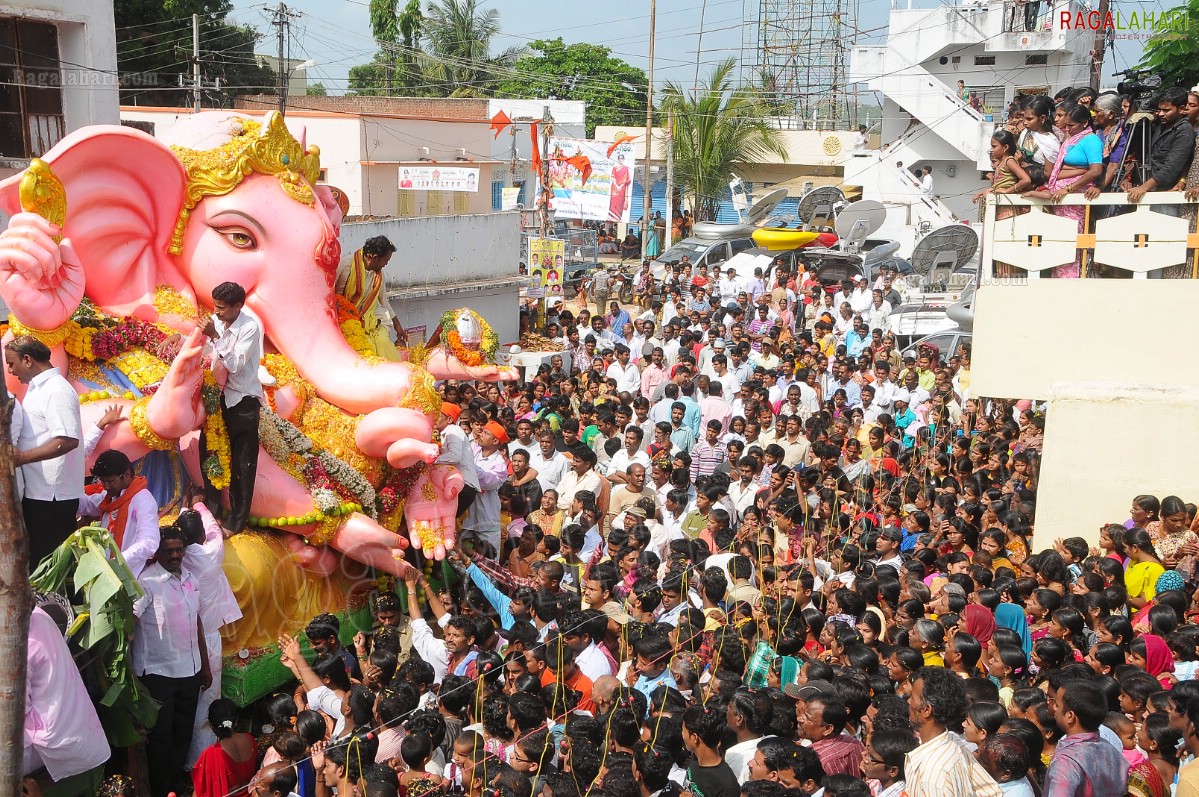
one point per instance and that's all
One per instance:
(58, 73)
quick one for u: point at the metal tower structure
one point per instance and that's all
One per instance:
(803, 59)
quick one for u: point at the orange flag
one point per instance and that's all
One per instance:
(499, 122)
(621, 139)
(583, 164)
(536, 148)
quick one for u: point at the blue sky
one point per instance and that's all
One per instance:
(336, 33)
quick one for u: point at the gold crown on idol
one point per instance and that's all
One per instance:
(265, 147)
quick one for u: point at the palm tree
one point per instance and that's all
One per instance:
(717, 128)
(458, 56)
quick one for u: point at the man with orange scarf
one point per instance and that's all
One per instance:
(362, 285)
(125, 507)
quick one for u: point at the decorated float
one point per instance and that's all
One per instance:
(115, 243)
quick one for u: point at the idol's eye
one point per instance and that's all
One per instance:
(238, 238)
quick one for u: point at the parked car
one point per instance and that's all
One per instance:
(710, 252)
(947, 343)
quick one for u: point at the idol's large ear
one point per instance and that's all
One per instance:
(124, 191)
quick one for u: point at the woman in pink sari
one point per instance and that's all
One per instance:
(1079, 163)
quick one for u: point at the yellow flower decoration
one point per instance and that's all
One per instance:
(141, 428)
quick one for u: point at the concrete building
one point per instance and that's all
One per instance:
(43, 103)
(998, 50)
(297, 72)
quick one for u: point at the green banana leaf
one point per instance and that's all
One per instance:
(92, 564)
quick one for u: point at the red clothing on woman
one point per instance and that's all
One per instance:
(216, 774)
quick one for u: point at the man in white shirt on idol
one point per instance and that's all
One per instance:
(236, 345)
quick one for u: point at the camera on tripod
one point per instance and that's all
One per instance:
(1138, 83)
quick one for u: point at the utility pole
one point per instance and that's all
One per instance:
(669, 180)
(281, 19)
(16, 603)
(547, 130)
(646, 200)
(1099, 48)
(196, 61)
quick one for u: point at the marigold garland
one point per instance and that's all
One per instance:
(217, 466)
(168, 301)
(488, 344)
(51, 337)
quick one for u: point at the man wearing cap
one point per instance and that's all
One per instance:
(483, 518)
(125, 507)
(902, 414)
(456, 451)
(859, 297)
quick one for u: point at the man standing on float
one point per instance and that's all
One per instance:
(362, 286)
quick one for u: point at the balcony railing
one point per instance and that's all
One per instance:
(1112, 240)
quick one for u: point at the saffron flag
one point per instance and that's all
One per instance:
(499, 122)
(621, 139)
(583, 164)
(536, 148)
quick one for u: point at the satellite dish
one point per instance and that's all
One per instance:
(820, 203)
(943, 251)
(761, 209)
(858, 220)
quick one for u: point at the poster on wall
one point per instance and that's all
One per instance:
(607, 194)
(439, 178)
(509, 197)
(546, 261)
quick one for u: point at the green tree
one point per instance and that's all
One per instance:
(613, 90)
(457, 60)
(154, 47)
(398, 36)
(717, 128)
(1174, 52)
(317, 90)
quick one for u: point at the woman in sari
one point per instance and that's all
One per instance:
(1154, 776)
(1109, 125)
(1175, 543)
(1038, 141)
(1009, 615)
(1078, 164)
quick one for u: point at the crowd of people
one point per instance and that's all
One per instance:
(1082, 142)
(731, 542)
(706, 552)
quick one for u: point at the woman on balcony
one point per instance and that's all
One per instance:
(1078, 165)
(1039, 142)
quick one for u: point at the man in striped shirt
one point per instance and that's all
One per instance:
(710, 453)
(942, 766)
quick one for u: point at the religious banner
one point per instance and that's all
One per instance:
(439, 178)
(602, 195)
(546, 261)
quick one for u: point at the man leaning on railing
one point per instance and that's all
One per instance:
(1170, 153)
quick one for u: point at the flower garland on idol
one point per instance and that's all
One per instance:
(317, 449)
(468, 337)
